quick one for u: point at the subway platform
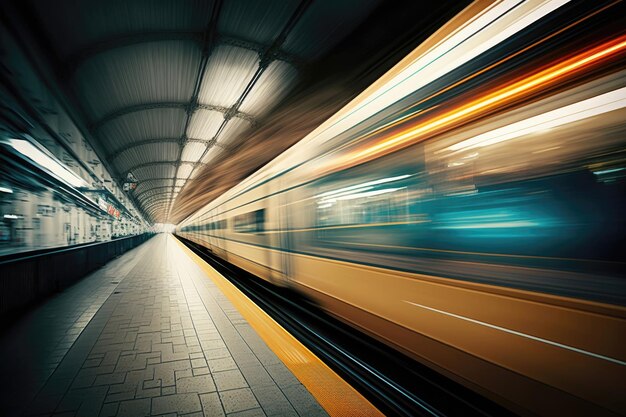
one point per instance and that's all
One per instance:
(152, 333)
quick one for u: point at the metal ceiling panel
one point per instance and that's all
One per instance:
(154, 192)
(324, 24)
(153, 72)
(211, 154)
(142, 186)
(142, 125)
(192, 152)
(166, 151)
(259, 21)
(231, 132)
(75, 24)
(162, 170)
(204, 124)
(229, 70)
(184, 171)
(273, 84)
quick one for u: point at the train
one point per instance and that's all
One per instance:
(467, 209)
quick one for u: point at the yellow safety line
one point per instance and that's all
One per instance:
(334, 394)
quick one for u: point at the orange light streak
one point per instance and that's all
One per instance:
(498, 98)
(490, 67)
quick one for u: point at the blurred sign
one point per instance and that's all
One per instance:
(113, 211)
(130, 183)
(109, 208)
(102, 204)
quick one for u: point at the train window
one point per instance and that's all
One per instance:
(252, 222)
(371, 202)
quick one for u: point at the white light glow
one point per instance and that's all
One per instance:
(192, 152)
(184, 171)
(228, 72)
(211, 154)
(493, 26)
(12, 216)
(608, 171)
(369, 193)
(574, 112)
(204, 124)
(6, 190)
(269, 89)
(365, 184)
(232, 130)
(48, 163)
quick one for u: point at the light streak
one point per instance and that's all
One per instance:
(574, 112)
(525, 335)
(498, 98)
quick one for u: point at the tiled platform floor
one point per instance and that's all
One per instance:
(148, 334)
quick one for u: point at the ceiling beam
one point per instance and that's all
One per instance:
(266, 56)
(138, 195)
(157, 203)
(112, 155)
(209, 38)
(168, 105)
(143, 197)
(149, 164)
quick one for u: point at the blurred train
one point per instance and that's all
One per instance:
(467, 209)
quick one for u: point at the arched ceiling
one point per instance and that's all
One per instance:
(166, 89)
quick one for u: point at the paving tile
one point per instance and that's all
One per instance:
(302, 401)
(176, 403)
(238, 400)
(200, 371)
(211, 405)
(255, 412)
(109, 410)
(134, 408)
(281, 375)
(228, 380)
(273, 401)
(257, 376)
(222, 364)
(200, 384)
(167, 343)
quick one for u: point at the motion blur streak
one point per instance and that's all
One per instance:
(497, 99)
(568, 114)
(539, 339)
(482, 179)
(446, 50)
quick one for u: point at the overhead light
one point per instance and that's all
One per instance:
(50, 164)
(12, 216)
(6, 190)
